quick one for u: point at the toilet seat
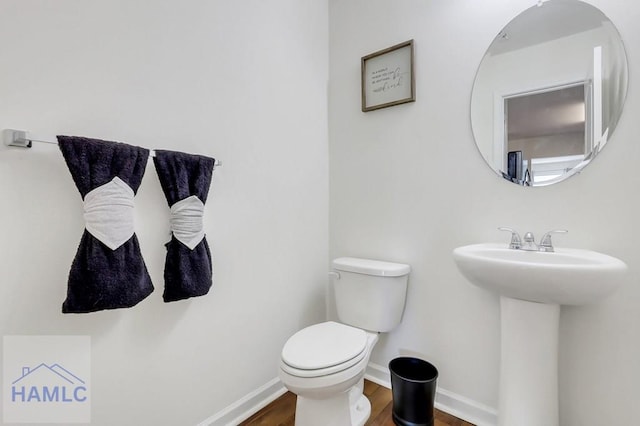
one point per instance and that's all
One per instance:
(323, 349)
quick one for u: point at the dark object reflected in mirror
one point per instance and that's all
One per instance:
(514, 167)
(555, 96)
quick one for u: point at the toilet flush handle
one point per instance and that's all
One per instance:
(334, 274)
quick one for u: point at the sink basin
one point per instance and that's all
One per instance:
(564, 277)
(532, 285)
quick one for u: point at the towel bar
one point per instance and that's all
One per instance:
(23, 139)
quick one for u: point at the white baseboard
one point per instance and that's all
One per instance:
(248, 405)
(378, 374)
(447, 401)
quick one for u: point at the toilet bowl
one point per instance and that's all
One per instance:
(327, 377)
(324, 364)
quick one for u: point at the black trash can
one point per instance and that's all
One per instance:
(413, 386)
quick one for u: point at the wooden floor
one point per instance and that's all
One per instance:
(281, 412)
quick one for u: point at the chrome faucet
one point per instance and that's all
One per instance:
(529, 241)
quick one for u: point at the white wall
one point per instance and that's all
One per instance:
(245, 82)
(407, 184)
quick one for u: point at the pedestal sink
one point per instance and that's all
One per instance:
(532, 285)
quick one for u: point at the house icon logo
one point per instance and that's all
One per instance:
(46, 379)
(48, 384)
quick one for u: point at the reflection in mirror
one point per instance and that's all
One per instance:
(547, 132)
(549, 92)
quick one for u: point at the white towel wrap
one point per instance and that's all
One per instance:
(186, 221)
(108, 213)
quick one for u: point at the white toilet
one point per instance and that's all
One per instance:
(324, 364)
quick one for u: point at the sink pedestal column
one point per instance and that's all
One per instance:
(529, 363)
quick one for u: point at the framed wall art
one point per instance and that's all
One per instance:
(387, 77)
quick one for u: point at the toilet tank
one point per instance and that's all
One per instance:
(370, 294)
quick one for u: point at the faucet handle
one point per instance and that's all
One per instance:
(545, 242)
(516, 242)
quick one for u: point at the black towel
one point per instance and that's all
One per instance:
(187, 271)
(101, 277)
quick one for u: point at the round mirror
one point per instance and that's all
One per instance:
(549, 92)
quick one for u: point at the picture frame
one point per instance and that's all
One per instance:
(387, 77)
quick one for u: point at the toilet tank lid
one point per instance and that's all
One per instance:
(371, 267)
